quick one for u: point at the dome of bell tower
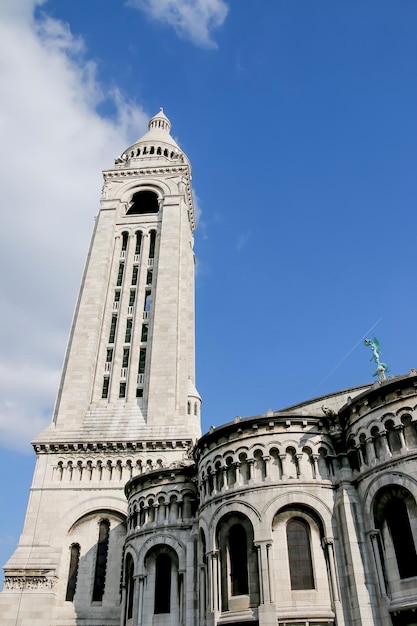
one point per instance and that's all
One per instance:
(156, 144)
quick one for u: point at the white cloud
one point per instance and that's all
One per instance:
(191, 19)
(242, 240)
(54, 146)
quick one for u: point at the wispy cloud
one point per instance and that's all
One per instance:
(54, 145)
(242, 240)
(194, 20)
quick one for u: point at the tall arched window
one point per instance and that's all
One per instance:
(394, 509)
(299, 554)
(238, 555)
(101, 560)
(152, 244)
(73, 571)
(238, 562)
(130, 587)
(163, 567)
(138, 242)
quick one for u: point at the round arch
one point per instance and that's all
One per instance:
(300, 498)
(161, 540)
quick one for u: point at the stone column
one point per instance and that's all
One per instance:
(360, 455)
(251, 478)
(386, 452)
(315, 460)
(138, 598)
(400, 430)
(264, 571)
(225, 477)
(202, 589)
(300, 465)
(181, 578)
(238, 475)
(370, 451)
(213, 571)
(283, 458)
(327, 544)
(374, 537)
(267, 468)
(328, 547)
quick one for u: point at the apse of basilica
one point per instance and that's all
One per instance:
(303, 516)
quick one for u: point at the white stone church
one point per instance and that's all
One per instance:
(305, 516)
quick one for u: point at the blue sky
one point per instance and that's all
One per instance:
(299, 120)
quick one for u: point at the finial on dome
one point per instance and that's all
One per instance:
(159, 122)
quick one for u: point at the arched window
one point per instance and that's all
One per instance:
(238, 562)
(73, 571)
(152, 244)
(238, 555)
(101, 560)
(148, 300)
(142, 361)
(143, 202)
(299, 554)
(130, 588)
(120, 274)
(138, 242)
(125, 238)
(163, 566)
(392, 512)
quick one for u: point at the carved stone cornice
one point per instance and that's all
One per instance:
(111, 446)
(30, 583)
(134, 172)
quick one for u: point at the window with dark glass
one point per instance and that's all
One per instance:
(120, 274)
(125, 359)
(238, 553)
(144, 335)
(130, 586)
(138, 242)
(139, 392)
(132, 297)
(142, 360)
(125, 237)
(299, 554)
(113, 325)
(73, 572)
(152, 244)
(117, 295)
(135, 275)
(105, 388)
(101, 560)
(109, 355)
(398, 522)
(149, 276)
(122, 390)
(128, 333)
(148, 300)
(163, 583)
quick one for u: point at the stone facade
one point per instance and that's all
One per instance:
(304, 516)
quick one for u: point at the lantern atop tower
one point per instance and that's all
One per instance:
(156, 144)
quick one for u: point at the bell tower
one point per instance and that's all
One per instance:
(127, 401)
(130, 362)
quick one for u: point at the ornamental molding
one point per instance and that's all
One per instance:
(29, 583)
(146, 171)
(112, 446)
(117, 175)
